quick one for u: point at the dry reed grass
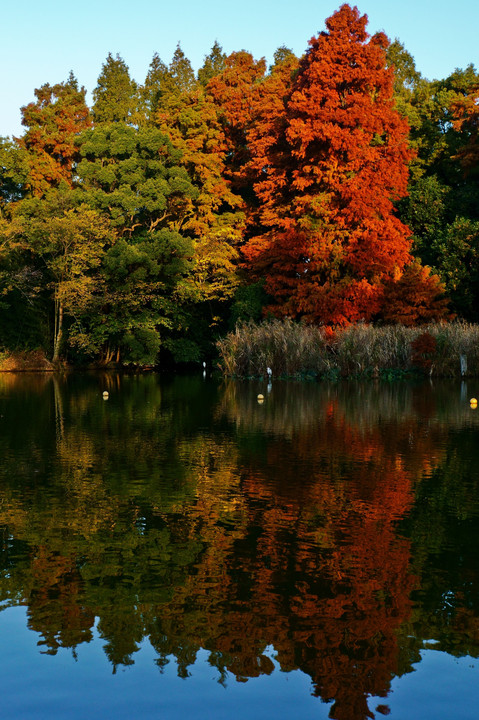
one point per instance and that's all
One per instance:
(294, 349)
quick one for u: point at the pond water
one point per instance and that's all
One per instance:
(182, 549)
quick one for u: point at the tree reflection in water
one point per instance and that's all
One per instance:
(187, 514)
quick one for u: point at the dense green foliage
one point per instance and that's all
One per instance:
(122, 227)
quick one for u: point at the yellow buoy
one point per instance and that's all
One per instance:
(105, 395)
(473, 402)
(260, 399)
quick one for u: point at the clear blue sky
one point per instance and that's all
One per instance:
(42, 40)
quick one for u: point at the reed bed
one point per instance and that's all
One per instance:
(293, 349)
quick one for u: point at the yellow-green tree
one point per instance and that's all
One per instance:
(70, 238)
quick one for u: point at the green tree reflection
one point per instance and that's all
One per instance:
(325, 523)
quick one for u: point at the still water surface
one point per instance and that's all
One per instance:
(180, 550)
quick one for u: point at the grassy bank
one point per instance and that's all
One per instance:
(293, 349)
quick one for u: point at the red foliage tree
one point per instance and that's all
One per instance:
(466, 119)
(266, 133)
(415, 297)
(232, 92)
(53, 124)
(329, 236)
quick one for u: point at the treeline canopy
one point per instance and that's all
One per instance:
(334, 188)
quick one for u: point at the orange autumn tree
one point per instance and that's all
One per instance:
(266, 131)
(232, 92)
(53, 123)
(329, 237)
(466, 119)
(416, 297)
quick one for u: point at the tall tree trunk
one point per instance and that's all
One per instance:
(58, 332)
